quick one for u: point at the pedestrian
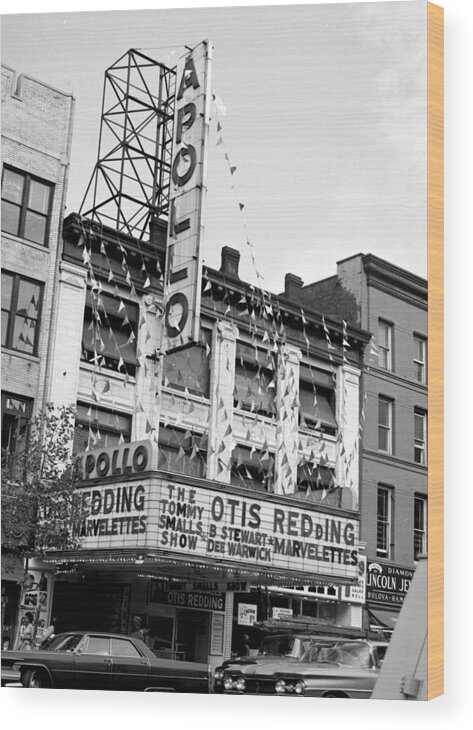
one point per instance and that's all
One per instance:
(27, 633)
(246, 645)
(43, 583)
(49, 633)
(137, 632)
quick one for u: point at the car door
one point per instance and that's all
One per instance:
(93, 665)
(130, 669)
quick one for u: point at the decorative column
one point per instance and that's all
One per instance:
(149, 373)
(221, 441)
(287, 430)
(66, 354)
(348, 417)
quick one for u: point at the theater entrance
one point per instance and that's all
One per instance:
(193, 634)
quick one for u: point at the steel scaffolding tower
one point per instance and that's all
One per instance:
(130, 182)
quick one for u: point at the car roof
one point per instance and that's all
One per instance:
(301, 635)
(103, 634)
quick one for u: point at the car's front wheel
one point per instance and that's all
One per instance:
(34, 678)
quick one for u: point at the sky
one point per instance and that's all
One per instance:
(324, 119)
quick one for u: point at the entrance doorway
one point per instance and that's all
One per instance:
(160, 636)
(193, 635)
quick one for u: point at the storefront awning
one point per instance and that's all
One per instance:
(383, 619)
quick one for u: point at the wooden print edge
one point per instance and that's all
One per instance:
(435, 236)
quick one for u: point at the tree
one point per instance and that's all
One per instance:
(39, 505)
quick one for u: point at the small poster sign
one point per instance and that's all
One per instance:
(246, 614)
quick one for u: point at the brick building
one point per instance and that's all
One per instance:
(391, 303)
(36, 139)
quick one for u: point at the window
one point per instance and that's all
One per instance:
(16, 416)
(317, 482)
(26, 206)
(252, 469)
(98, 428)
(420, 359)
(420, 526)
(317, 400)
(384, 523)
(420, 437)
(255, 380)
(21, 306)
(109, 333)
(123, 647)
(98, 645)
(385, 421)
(182, 452)
(385, 345)
(190, 368)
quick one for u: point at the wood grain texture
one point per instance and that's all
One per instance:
(435, 177)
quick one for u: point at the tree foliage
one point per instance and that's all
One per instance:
(39, 505)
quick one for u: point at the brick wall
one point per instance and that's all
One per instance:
(36, 137)
(332, 299)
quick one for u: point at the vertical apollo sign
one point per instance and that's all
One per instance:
(188, 172)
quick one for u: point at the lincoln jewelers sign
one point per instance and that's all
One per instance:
(156, 513)
(387, 584)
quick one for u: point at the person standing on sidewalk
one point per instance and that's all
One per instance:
(137, 632)
(27, 634)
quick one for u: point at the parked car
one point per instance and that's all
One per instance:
(92, 660)
(326, 669)
(290, 646)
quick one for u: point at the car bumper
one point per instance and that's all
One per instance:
(10, 676)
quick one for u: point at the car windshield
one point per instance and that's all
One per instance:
(351, 654)
(65, 642)
(277, 646)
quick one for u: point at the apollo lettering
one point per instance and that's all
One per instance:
(123, 460)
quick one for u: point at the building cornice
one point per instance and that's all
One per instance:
(395, 281)
(389, 376)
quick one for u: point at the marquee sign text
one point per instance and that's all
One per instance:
(189, 521)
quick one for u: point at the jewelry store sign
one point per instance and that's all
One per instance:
(199, 522)
(387, 584)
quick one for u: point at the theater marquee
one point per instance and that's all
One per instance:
(186, 521)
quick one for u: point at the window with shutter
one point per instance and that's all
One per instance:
(255, 380)
(182, 452)
(97, 428)
(190, 368)
(317, 400)
(109, 333)
(252, 469)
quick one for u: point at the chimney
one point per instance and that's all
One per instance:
(154, 233)
(292, 287)
(230, 261)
